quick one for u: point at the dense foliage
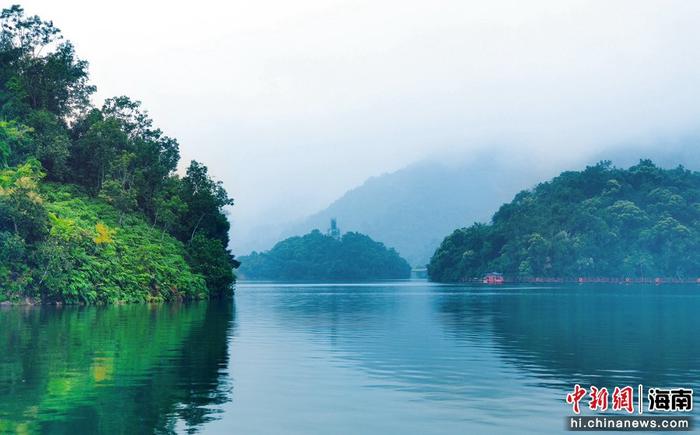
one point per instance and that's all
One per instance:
(600, 222)
(316, 256)
(115, 223)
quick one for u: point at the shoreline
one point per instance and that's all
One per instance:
(33, 302)
(580, 280)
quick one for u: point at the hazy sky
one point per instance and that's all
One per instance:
(291, 103)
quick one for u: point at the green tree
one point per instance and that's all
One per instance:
(21, 205)
(602, 221)
(59, 244)
(210, 258)
(169, 206)
(50, 143)
(39, 70)
(14, 139)
(205, 199)
(317, 256)
(96, 151)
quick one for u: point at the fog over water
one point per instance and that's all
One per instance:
(293, 103)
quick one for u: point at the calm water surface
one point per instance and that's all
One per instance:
(405, 357)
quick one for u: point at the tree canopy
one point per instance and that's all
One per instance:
(120, 167)
(316, 256)
(600, 222)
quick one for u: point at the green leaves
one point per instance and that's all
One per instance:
(21, 206)
(38, 71)
(13, 139)
(84, 258)
(602, 221)
(89, 260)
(210, 259)
(316, 256)
(63, 229)
(115, 245)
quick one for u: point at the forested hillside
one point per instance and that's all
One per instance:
(91, 209)
(316, 256)
(600, 222)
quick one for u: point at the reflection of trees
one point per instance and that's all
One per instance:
(556, 337)
(123, 369)
(603, 335)
(332, 311)
(387, 332)
(326, 305)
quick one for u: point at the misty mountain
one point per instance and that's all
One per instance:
(414, 208)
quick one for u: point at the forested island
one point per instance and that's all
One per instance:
(91, 209)
(601, 222)
(317, 256)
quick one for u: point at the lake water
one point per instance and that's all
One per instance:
(404, 357)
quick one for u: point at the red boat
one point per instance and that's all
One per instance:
(493, 278)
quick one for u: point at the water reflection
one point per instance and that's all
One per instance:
(586, 334)
(607, 335)
(482, 358)
(123, 369)
(405, 357)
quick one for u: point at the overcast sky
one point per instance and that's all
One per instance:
(291, 103)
